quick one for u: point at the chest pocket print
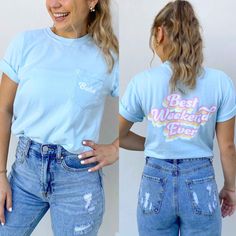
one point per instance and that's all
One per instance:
(89, 88)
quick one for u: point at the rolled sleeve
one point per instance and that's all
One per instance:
(127, 115)
(9, 71)
(227, 109)
(130, 104)
(12, 59)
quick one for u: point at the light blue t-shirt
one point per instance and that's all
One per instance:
(62, 87)
(179, 126)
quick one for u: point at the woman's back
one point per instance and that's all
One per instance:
(180, 124)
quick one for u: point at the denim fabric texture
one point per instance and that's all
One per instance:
(178, 197)
(47, 176)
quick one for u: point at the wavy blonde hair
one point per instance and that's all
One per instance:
(184, 46)
(100, 28)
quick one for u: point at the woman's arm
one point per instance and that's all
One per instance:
(107, 154)
(7, 95)
(225, 137)
(128, 139)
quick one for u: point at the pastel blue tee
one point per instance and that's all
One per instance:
(62, 87)
(179, 126)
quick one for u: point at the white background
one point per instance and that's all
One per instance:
(17, 16)
(218, 20)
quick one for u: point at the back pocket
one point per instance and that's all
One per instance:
(151, 194)
(203, 195)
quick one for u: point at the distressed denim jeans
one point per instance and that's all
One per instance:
(47, 176)
(178, 197)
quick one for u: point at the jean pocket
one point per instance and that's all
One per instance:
(89, 88)
(72, 163)
(203, 195)
(151, 194)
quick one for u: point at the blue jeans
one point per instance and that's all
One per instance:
(178, 196)
(47, 176)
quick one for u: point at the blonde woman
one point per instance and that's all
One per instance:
(52, 94)
(184, 103)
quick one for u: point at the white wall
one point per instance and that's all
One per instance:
(218, 22)
(17, 16)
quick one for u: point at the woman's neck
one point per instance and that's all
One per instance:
(80, 32)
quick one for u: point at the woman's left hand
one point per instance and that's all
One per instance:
(227, 201)
(104, 154)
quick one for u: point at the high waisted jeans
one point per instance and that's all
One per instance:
(47, 176)
(178, 196)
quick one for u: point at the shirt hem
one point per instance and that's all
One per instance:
(210, 156)
(65, 146)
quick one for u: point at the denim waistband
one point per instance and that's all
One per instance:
(181, 165)
(25, 144)
(179, 161)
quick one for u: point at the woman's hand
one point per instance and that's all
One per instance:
(227, 201)
(5, 197)
(104, 154)
(225, 138)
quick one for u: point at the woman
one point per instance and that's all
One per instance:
(53, 89)
(184, 103)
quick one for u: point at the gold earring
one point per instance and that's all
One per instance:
(92, 9)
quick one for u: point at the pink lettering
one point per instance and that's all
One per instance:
(159, 115)
(174, 100)
(177, 129)
(179, 118)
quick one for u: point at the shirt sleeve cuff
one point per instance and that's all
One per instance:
(6, 69)
(227, 116)
(127, 115)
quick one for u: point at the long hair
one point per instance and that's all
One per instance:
(184, 45)
(100, 29)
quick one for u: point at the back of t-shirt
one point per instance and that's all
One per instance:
(180, 124)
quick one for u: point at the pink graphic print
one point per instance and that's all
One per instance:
(178, 117)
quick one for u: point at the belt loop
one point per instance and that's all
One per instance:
(58, 152)
(147, 159)
(27, 142)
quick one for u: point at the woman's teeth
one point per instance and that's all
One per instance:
(60, 14)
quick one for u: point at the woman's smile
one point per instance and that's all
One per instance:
(60, 16)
